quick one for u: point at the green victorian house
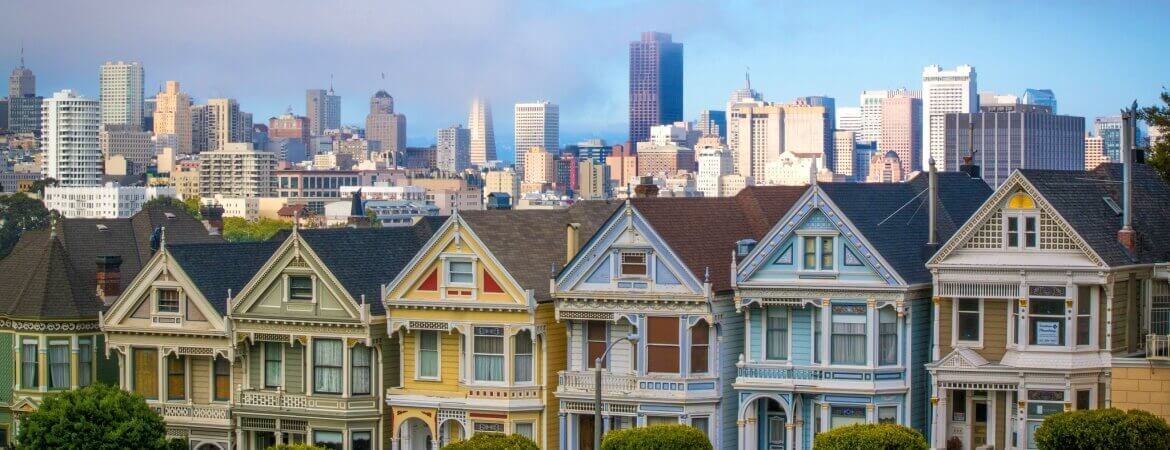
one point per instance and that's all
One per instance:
(53, 289)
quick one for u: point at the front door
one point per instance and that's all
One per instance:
(776, 431)
(979, 427)
(585, 432)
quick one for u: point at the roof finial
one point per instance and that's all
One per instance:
(707, 274)
(296, 220)
(162, 238)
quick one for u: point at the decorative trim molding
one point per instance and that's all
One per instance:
(23, 325)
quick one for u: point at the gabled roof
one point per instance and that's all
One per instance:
(703, 231)
(1078, 196)
(531, 244)
(220, 268)
(363, 259)
(894, 217)
(55, 279)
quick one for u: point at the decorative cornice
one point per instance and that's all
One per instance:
(30, 325)
(630, 306)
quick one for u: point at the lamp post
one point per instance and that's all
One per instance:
(632, 338)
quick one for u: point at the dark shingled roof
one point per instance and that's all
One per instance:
(55, 279)
(531, 244)
(703, 231)
(894, 217)
(1079, 197)
(205, 265)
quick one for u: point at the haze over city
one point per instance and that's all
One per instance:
(436, 56)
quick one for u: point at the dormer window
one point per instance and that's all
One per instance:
(1021, 223)
(460, 272)
(819, 252)
(300, 288)
(167, 301)
(634, 264)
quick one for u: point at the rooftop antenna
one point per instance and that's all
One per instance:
(330, 83)
(747, 77)
(21, 53)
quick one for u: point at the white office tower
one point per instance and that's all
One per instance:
(483, 135)
(944, 91)
(714, 163)
(324, 110)
(871, 115)
(849, 119)
(70, 126)
(121, 93)
(844, 150)
(537, 124)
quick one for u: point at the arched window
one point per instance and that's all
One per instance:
(700, 347)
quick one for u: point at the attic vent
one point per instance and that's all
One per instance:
(101, 227)
(1112, 205)
(169, 215)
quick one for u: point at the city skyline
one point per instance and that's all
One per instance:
(588, 77)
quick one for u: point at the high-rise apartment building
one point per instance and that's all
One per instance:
(1011, 137)
(172, 116)
(385, 129)
(849, 119)
(537, 124)
(714, 162)
(483, 134)
(844, 148)
(1095, 152)
(323, 109)
(593, 180)
(452, 149)
(829, 103)
(754, 137)
(656, 83)
(218, 123)
(504, 180)
(808, 132)
(539, 166)
(945, 92)
(664, 158)
(871, 115)
(69, 139)
(902, 130)
(121, 93)
(237, 170)
(1109, 129)
(24, 106)
(1042, 97)
(132, 144)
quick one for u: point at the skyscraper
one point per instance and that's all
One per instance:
(844, 148)
(121, 93)
(656, 83)
(1043, 97)
(712, 123)
(1094, 152)
(871, 115)
(452, 146)
(385, 129)
(1010, 137)
(829, 103)
(323, 108)
(541, 166)
(69, 137)
(537, 124)
(172, 116)
(24, 106)
(945, 91)
(1109, 129)
(754, 137)
(849, 119)
(218, 123)
(902, 130)
(483, 134)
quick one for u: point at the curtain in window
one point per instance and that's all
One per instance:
(777, 333)
(59, 364)
(272, 364)
(428, 353)
(489, 358)
(28, 364)
(146, 372)
(887, 336)
(84, 362)
(848, 335)
(522, 366)
(327, 363)
(360, 372)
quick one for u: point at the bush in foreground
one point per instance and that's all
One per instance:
(295, 447)
(94, 417)
(493, 441)
(660, 437)
(1103, 429)
(881, 436)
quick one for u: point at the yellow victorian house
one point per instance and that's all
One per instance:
(480, 347)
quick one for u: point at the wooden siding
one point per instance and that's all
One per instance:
(945, 311)
(995, 331)
(448, 364)
(919, 335)
(729, 346)
(294, 368)
(553, 351)
(201, 380)
(1120, 314)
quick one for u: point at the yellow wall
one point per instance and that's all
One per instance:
(1145, 388)
(995, 331)
(556, 349)
(944, 326)
(448, 383)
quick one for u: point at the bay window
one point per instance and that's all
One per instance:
(1046, 321)
(662, 352)
(596, 340)
(887, 336)
(776, 345)
(84, 362)
(700, 347)
(222, 373)
(848, 335)
(428, 354)
(328, 360)
(1084, 315)
(29, 361)
(176, 378)
(968, 320)
(361, 371)
(59, 364)
(273, 362)
(488, 354)
(522, 358)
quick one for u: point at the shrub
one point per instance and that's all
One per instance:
(93, 417)
(295, 447)
(660, 437)
(493, 441)
(881, 436)
(1103, 429)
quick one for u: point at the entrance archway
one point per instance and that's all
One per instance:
(414, 434)
(451, 430)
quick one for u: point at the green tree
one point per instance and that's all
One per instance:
(94, 417)
(19, 213)
(659, 437)
(879, 436)
(1158, 116)
(493, 441)
(236, 229)
(38, 186)
(1103, 429)
(191, 205)
(372, 218)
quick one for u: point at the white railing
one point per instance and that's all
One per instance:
(1158, 346)
(284, 400)
(181, 413)
(638, 385)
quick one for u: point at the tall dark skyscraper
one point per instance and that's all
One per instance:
(656, 84)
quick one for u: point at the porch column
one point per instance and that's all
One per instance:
(751, 430)
(564, 428)
(740, 426)
(871, 332)
(394, 443)
(798, 435)
(826, 332)
(279, 437)
(940, 418)
(790, 434)
(240, 438)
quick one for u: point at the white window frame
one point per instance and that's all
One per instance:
(506, 354)
(956, 341)
(788, 339)
(1021, 215)
(869, 328)
(621, 254)
(312, 288)
(447, 272)
(1094, 291)
(157, 307)
(818, 237)
(532, 354)
(897, 412)
(264, 366)
(438, 356)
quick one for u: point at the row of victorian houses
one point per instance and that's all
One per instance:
(761, 319)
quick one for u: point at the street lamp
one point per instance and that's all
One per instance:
(632, 338)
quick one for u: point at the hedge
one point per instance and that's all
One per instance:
(295, 447)
(493, 441)
(660, 437)
(881, 436)
(1104, 429)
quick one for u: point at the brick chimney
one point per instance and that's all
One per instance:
(646, 187)
(109, 278)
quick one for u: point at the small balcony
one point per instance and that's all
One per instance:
(199, 415)
(791, 376)
(653, 386)
(1158, 347)
(284, 401)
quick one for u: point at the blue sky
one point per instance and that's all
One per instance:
(1096, 56)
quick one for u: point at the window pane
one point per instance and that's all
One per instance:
(887, 336)
(84, 362)
(328, 439)
(428, 354)
(460, 272)
(827, 253)
(1047, 331)
(327, 365)
(1013, 228)
(1084, 327)
(1030, 232)
(223, 378)
(841, 416)
(168, 301)
(146, 372)
(272, 364)
(300, 288)
(1046, 307)
(522, 366)
(1083, 399)
(633, 264)
(701, 423)
(596, 339)
(777, 333)
(887, 414)
(29, 373)
(488, 349)
(59, 365)
(361, 370)
(525, 429)
(810, 253)
(700, 335)
(968, 319)
(176, 379)
(662, 343)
